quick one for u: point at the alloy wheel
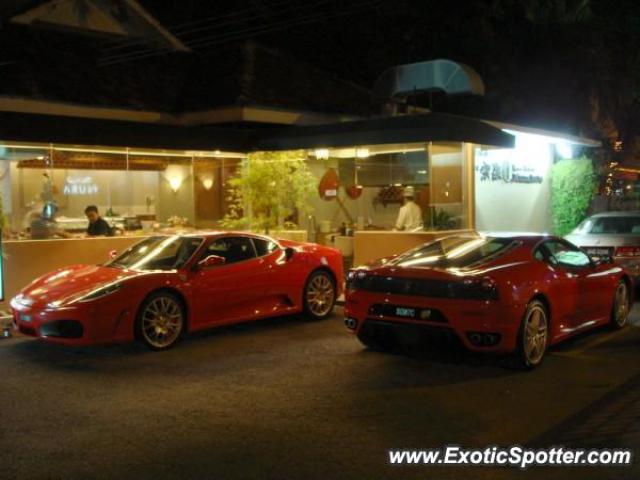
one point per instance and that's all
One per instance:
(320, 295)
(535, 334)
(621, 305)
(161, 322)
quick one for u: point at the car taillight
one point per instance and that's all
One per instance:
(476, 289)
(627, 251)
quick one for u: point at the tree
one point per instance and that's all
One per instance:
(572, 187)
(269, 188)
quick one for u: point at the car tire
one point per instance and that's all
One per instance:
(533, 336)
(160, 321)
(319, 295)
(620, 308)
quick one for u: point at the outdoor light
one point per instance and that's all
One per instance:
(322, 153)
(564, 150)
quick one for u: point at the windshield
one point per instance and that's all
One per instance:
(157, 253)
(455, 252)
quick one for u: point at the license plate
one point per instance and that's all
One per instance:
(598, 251)
(25, 318)
(405, 312)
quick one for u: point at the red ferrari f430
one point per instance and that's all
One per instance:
(164, 286)
(515, 294)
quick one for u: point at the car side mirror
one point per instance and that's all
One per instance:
(604, 260)
(211, 261)
(113, 254)
(288, 252)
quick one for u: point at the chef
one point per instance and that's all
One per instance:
(410, 214)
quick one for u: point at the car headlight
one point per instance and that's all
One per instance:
(97, 293)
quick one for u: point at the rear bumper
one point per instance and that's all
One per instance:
(479, 325)
(631, 265)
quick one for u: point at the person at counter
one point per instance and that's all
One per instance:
(98, 226)
(43, 225)
(410, 214)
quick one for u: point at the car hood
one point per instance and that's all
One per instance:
(71, 281)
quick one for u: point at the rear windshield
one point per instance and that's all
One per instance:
(610, 225)
(455, 252)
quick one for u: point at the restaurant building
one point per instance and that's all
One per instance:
(154, 146)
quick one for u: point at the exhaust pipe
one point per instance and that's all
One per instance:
(351, 323)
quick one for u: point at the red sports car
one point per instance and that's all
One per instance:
(515, 294)
(164, 286)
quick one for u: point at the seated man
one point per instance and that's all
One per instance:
(98, 226)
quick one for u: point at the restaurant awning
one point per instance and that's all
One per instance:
(25, 127)
(435, 127)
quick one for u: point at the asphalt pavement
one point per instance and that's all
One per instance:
(290, 398)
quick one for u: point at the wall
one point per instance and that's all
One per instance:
(507, 202)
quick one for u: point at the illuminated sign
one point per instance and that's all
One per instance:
(79, 186)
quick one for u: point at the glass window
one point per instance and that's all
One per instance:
(232, 249)
(565, 255)
(158, 253)
(264, 247)
(614, 225)
(456, 252)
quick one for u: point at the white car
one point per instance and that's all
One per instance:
(611, 234)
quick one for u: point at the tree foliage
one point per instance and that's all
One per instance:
(268, 189)
(572, 187)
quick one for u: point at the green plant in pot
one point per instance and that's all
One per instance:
(268, 190)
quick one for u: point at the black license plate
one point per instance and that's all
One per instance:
(406, 312)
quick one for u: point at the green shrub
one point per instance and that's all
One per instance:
(268, 189)
(572, 187)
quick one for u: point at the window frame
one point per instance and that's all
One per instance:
(250, 238)
(546, 253)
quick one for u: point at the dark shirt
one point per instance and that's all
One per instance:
(98, 228)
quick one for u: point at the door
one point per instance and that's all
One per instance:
(229, 292)
(580, 285)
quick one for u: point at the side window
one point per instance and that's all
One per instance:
(264, 247)
(565, 255)
(538, 254)
(232, 249)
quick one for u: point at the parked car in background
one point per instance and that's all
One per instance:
(164, 286)
(513, 294)
(611, 234)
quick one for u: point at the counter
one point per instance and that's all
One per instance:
(370, 245)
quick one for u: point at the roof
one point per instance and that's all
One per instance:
(620, 213)
(400, 129)
(22, 127)
(54, 66)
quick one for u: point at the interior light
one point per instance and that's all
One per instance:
(207, 182)
(322, 153)
(175, 183)
(362, 153)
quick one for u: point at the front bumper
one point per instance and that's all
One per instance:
(75, 325)
(479, 325)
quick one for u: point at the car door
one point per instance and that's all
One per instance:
(228, 292)
(583, 287)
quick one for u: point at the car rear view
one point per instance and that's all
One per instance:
(611, 234)
(448, 289)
